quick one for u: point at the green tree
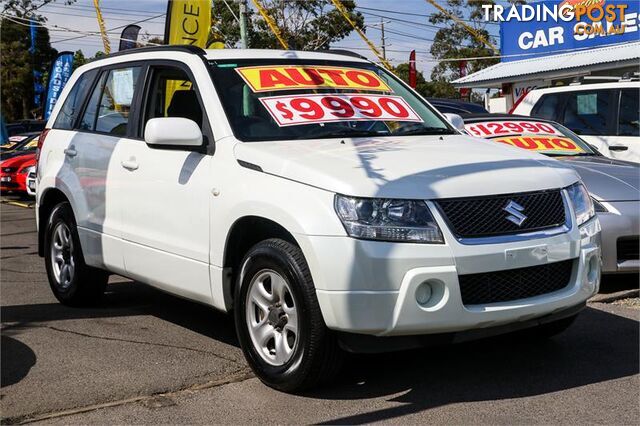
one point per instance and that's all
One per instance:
(422, 85)
(17, 67)
(28, 8)
(304, 24)
(455, 41)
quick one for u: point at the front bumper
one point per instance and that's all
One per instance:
(621, 221)
(369, 287)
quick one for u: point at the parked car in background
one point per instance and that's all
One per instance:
(604, 114)
(25, 126)
(13, 172)
(455, 106)
(31, 180)
(613, 184)
(26, 144)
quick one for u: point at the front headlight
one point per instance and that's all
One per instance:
(388, 219)
(581, 201)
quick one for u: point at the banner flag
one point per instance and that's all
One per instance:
(59, 74)
(187, 22)
(129, 37)
(412, 69)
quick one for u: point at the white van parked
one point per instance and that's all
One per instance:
(607, 115)
(314, 195)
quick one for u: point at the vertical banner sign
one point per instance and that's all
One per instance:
(412, 69)
(58, 76)
(37, 75)
(129, 37)
(187, 22)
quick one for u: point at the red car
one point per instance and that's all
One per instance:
(13, 172)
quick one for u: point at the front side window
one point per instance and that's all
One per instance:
(629, 113)
(546, 107)
(109, 107)
(295, 100)
(172, 94)
(587, 111)
(71, 108)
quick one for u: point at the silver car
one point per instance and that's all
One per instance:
(614, 185)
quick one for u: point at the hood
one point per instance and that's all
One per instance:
(417, 167)
(11, 154)
(608, 179)
(18, 161)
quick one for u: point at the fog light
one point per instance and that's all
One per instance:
(423, 293)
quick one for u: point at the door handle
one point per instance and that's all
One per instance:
(129, 164)
(70, 152)
(618, 148)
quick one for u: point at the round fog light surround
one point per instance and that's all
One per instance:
(423, 293)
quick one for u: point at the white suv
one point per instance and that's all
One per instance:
(607, 115)
(315, 195)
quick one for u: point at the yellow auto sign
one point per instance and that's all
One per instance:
(271, 78)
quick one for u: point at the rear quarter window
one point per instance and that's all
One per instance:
(70, 110)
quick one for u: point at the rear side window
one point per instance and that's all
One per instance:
(629, 113)
(546, 107)
(587, 112)
(73, 104)
(109, 107)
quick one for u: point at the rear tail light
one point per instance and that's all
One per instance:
(41, 138)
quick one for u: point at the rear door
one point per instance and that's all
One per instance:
(166, 200)
(92, 153)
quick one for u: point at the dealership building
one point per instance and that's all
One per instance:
(545, 54)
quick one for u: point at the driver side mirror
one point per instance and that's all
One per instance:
(456, 120)
(172, 131)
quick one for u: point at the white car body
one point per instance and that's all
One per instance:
(602, 142)
(164, 217)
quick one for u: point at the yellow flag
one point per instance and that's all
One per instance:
(187, 22)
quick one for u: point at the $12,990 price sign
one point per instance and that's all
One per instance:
(324, 108)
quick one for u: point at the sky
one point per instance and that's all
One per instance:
(401, 36)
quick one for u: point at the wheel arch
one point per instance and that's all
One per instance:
(48, 200)
(246, 232)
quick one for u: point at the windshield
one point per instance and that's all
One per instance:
(293, 99)
(540, 136)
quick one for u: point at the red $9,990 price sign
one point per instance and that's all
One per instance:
(324, 108)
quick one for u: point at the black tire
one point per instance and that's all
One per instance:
(316, 357)
(550, 329)
(86, 284)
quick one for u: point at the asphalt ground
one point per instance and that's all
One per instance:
(145, 357)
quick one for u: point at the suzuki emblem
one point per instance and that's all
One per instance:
(516, 216)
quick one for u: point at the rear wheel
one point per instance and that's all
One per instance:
(278, 319)
(72, 281)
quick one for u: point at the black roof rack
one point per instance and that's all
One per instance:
(171, 47)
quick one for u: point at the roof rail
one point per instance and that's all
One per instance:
(344, 52)
(170, 47)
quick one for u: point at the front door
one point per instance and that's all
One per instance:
(166, 201)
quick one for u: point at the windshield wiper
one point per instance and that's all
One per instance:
(352, 133)
(580, 154)
(425, 131)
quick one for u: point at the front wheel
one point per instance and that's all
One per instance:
(278, 320)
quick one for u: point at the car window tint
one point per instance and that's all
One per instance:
(88, 120)
(172, 94)
(629, 113)
(546, 107)
(587, 111)
(73, 103)
(115, 103)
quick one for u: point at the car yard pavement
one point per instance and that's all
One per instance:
(146, 357)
